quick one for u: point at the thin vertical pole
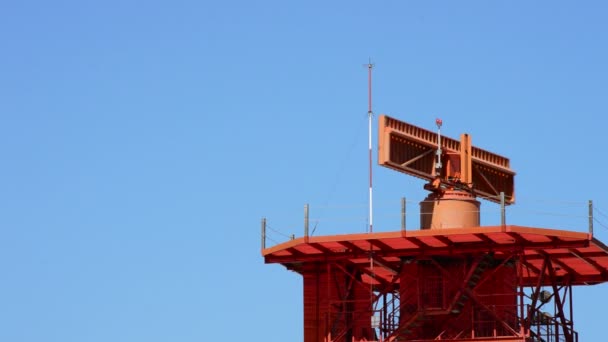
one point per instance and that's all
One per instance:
(305, 220)
(439, 152)
(403, 213)
(384, 316)
(569, 289)
(369, 145)
(520, 286)
(369, 142)
(503, 214)
(263, 233)
(318, 303)
(591, 217)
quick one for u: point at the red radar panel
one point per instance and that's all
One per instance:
(414, 150)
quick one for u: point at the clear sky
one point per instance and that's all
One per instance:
(143, 141)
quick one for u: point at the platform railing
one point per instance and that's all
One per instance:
(405, 215)
(548, 329)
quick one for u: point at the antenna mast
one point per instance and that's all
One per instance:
(370, 66)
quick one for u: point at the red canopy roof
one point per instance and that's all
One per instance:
(577, 258)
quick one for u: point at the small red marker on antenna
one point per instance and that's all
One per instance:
(439, 122)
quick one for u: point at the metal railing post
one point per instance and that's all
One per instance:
(503, 213)
(591, 217)
(403, 213)
(305, 220)
(263, 233)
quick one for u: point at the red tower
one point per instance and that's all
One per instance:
(452, 279)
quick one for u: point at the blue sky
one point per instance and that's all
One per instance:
(142, 142)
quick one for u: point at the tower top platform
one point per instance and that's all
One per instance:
(578, 258)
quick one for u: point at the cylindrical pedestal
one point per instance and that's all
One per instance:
(452, 209)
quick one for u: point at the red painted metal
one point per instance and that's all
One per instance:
(580, 258)
(411, 149)
(455, 281)
(455, 284)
